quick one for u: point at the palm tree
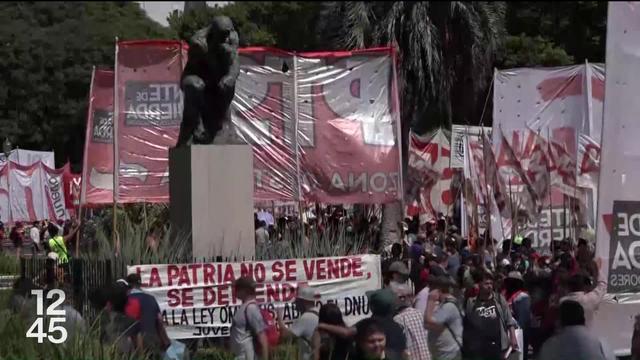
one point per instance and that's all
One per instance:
(446, 58)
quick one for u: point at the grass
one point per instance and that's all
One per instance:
(9, 264)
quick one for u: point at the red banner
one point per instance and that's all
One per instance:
(323, 126)
(97, 170)
(148, 114)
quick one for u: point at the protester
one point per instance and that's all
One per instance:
(411, 320)
(34, 235)
(262, 234)
(304, 328)
(371, 342)
(396, 255)
(74, 324)
(248, 326)
(57, 242)
(382, 305)
(443, 319)
(398, 272)
(17, 238)
(332, 347)
(520, 306)
(579, 285)
(488, 328)
(574, 341)
(151, 334)
(420, 301)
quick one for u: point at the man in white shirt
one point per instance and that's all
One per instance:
(304, 328)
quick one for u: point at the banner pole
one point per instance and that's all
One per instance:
(116, 161)
(551, 246)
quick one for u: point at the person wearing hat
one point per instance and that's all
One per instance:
(412, 322)
(248, 326)
(304, 328)
(520, 303)
(398, 272)
(382, 304)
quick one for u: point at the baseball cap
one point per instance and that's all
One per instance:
(308, 294)
(382, 301)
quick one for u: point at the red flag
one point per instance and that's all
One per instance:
(539, 168)
(495, 183)
(530, 200)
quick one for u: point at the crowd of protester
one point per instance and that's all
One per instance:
(442, 298)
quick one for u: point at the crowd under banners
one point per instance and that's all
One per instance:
(198, 300)
(148, 112)
(97, 169)
(323, 126)
(429, 176)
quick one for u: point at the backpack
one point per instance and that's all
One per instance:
(271, 329)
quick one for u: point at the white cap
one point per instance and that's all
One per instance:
(307, 293)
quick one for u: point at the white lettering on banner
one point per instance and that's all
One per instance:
(551, 226)
(56, 196)
(364, 182)
(198, 300)
(156, 104)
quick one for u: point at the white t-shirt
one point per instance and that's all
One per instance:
(303, 329)
(262, 235)
(34, 234)
(420, 302)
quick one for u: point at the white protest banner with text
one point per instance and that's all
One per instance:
(198, 300)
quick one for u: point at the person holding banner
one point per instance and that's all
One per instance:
(248, 326)
(304, 328)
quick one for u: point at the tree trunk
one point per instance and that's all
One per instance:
(389, 230)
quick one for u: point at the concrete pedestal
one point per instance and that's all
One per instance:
(211, 199)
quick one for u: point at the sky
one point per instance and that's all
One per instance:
(159, 10)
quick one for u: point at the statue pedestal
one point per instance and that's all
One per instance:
(211, 199)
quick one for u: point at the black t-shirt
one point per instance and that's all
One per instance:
(481, 334)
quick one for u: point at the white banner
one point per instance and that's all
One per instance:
(197, 300)
(618, 220)
(458, 134)
(618, 232)
(29, 157)
(33, 193)
(561, 106)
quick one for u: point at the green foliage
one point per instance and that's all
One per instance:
(48, 49)
(286, 25)
(526, 51)
(577, 27)
(9, 264)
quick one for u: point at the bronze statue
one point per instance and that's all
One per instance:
(208, 82)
